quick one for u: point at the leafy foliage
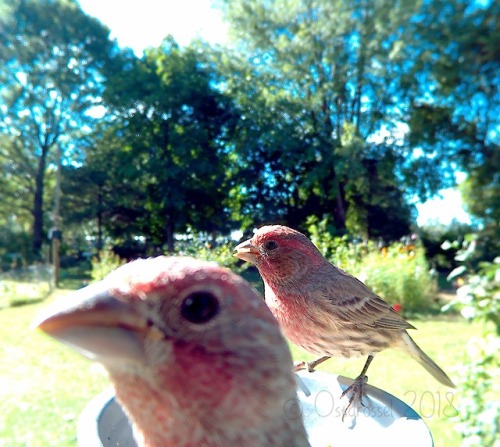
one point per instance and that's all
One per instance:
(478, 412)
(104, 264)
(51, 56)
(220, 251)
(441, 243)
(481, 195)
(399, 273)
(318, 110)
(479, 300)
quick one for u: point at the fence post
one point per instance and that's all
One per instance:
(55, 235)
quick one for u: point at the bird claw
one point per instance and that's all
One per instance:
(310, 366)
(300, 366)
(356, 391)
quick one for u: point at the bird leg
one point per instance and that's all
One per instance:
(310, 366)
(356, 390)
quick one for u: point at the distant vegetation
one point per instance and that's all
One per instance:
(24, 286)
(317, 111)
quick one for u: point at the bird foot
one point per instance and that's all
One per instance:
(356, 392)
(300, 366)
(310, 366)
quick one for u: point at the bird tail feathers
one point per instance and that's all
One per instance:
(421, 357)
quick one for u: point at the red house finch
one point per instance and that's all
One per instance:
(323, 309)
(192, 352)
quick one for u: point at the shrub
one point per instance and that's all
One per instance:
(400, 275)
(478, 299)
(343, 251)
(104, 264)
(26, 285)
(221, 253)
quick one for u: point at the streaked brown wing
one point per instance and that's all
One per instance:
(369, 310)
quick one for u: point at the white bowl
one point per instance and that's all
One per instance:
(384, 420)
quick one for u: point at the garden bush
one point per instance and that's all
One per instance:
(478, 300)
(26, 285)
(104, 264)
(399, 273)
(221, 253)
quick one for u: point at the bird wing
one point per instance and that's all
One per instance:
(353, 302)
(368, 310)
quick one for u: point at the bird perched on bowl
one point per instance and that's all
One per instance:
(325, 310)
(195, 356)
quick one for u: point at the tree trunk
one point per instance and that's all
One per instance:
(169, 232)
(339, 208)
(339, 213)
(332, 183)
(99, 222)
(38, 203)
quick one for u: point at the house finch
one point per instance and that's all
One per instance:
(323, 309)
(193, 352)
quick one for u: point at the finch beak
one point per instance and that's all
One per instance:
(247, 252)
(97, 325)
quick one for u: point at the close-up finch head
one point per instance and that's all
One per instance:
(194, 354)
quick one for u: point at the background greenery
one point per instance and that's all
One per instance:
(340, 112)
(332, 117)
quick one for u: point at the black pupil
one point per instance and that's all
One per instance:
(199, 307)
(271, 245)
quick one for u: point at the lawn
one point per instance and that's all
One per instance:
(44, 386)
(444, 340)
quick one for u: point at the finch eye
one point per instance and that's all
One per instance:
(200, 307)
(271, 245)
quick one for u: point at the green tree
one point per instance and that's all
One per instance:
(104, 199)
(167, 164)
(454, 116)
(84, 201)
(51, 61)
(333, 92)
(458, 123)
(320, 84)
(481, 196)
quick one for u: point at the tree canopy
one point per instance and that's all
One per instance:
(345, 95)
(344, 112)
(162, 158)
(50, 76)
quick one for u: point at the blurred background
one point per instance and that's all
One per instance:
(132, 129)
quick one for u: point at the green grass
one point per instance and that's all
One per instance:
(44, 386)
(443, 339)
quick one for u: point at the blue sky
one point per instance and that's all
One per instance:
(139, 24)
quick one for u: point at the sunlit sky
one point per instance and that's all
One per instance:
(139, 24)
